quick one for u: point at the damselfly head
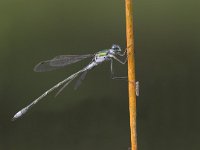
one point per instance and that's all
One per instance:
(116, 48)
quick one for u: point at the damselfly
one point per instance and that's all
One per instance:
(64, 60)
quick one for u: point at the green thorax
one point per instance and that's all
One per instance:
(102, 53)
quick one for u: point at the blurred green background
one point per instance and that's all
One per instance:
(96, 116)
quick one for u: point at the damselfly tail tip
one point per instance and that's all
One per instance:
(16, 116)
(13, 119)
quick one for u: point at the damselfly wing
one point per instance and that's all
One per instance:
(59, 62)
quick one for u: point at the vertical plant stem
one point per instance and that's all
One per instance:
(131, 71)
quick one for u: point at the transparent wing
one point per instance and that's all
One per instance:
(82, 77)
(79, 81)
(59, 62)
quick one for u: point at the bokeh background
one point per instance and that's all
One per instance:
(96, 116)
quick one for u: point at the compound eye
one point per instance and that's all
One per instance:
(116, 48)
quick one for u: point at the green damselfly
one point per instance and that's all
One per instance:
(64, 60)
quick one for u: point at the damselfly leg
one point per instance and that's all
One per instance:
(120, 61)
(112, 72)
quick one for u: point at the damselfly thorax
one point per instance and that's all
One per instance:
(101, 56)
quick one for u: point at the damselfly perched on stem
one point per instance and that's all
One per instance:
(64, 60)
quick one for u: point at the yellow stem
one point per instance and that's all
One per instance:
(131, 72)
